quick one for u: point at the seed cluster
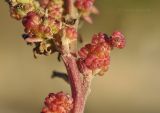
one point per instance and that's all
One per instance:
(96, 55)
(50, 26)
(58, 103)
(86, 7)
(47, 24)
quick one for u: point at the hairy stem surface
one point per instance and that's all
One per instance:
(75, 82)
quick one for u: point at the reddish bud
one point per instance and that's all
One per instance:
(71, 33)
(118, 40)
(54, 10)
(96, 55)
(58, 103)
(31, 21)
(98, 38)
(84, 5)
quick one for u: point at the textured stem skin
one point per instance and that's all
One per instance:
(71, 10)
(69, 6)
(75, 82)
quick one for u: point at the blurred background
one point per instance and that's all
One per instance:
(132, 84)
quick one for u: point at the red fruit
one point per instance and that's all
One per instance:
(58, 103)
(71, 32)
(118, 40)
(96, 55)
(81, 65)
(83, 52)
(98, 38)
(89, 60)
(54, 10)
(84, 5)
(31, 21)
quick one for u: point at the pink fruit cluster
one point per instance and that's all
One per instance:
(71, 33)
(84, 5)
(45, 23)
(51, 26)
(58, 103)
(96, 55)
(118, 40)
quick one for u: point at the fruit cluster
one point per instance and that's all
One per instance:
(47, 24)
(96, 55)
(86, 7)
(118, 40)
(42, 19)
(58, 103)
(51, 26)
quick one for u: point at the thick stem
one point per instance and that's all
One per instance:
(80, 86)
(75, 82)
(70, 8)
(86, 84)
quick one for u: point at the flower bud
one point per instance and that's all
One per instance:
(118, 39)
(58, 103)
(31, 21)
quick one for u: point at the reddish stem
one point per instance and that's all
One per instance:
(78, 88)
(75, 82)
(69, 6)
